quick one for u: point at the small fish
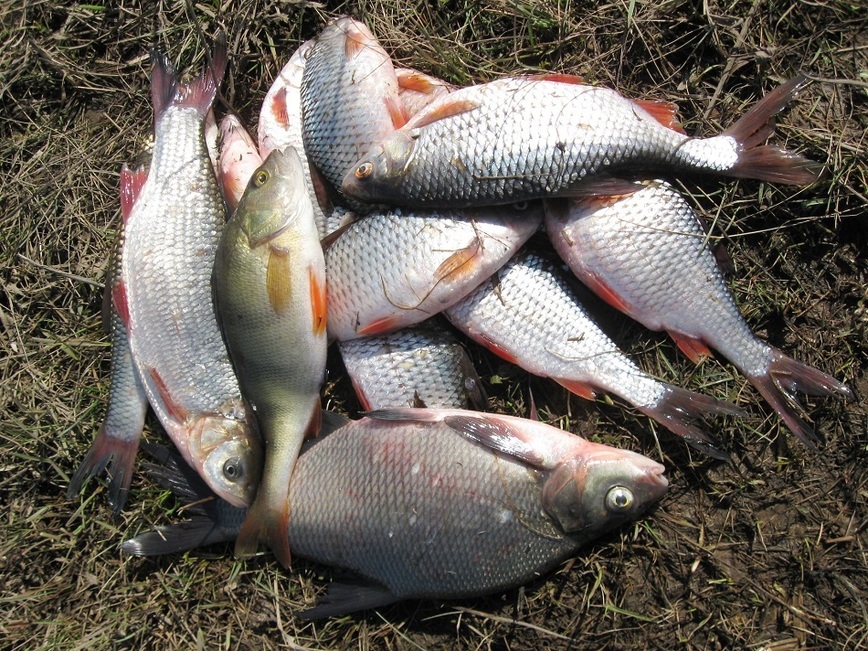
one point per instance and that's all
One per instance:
(529, 315)
(164, 298)
(349, 99)
(280, 126)
(396, 268)
(435, 504)
(269, 287)
(520, 138)
(419, 366)
(647, 254)
(117, 441)
(238, 159)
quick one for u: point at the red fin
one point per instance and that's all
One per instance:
(132, 182)
(278, 280)
(559, 77)
(356, 41)
(497, 349)
(263, 526)
(199, 93)
(396, 111)
(175, 410)
(318, 302)
(119, 455)
(379, 326)
(449, 108)
(415, 81)
(278, 108)
(695, 349)
(602, 289)
(458, 264)
(769, 163)
(119, 299)
(581, 389)
(666, 113)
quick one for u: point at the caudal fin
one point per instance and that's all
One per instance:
(768, 162)
(680, 407)
(119, 455)
(265, 525)
(198, 94)
(786, 376)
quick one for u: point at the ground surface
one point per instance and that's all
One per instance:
(766, 553)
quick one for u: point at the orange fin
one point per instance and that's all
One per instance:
(415, 81)
(261, 526)
(278, 280)
(695, 349)
(581, 389)
(559, 77)
(666, 113)
(497, 349)
(318, 302)
(357, 41)
(449, 108)
(175, 410)
(602, 289)
(396, 111)
(119, 299)
(379, 326)
(459, 263)
(278, 108)
(132, 182)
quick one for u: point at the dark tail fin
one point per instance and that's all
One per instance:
(342, 598)
(768, 162)
(681, 407)
(784, 378)
(199, 94)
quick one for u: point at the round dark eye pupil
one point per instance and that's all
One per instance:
(621, 499)
(261, 178)
(232, 469)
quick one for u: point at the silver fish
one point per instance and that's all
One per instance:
(529, 315)
(419, 366)
(438, 503)
(349, 98)
(269, 287)
(521, 138)
(165, 294)
(238, 159)
(396, 268)
(117, 441)
(647, 254)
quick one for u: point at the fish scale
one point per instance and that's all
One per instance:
(168, 254)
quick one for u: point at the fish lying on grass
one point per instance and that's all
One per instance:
(349, 98)
(269, 287)
(117, 441)
(239, 158)
(519, 138)
(435, 504)
(528, 314)
(419, 366)
(165, 295)
(647, 255)
(397, 268)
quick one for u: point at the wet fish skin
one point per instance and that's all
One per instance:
(395, 268)
(648, 255)
(419, 366)
(409, 509)
(117, 440)
(269, 284)
(519, 138)
(280, 126)
(238, 159)
(165, 297)
(349, 99)
(529, 315)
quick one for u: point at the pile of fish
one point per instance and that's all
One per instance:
(374, 200)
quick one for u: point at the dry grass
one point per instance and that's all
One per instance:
(766, 553)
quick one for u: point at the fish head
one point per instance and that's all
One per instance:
(601, 488)
(382, 168)
(228, 454)
(274, 198)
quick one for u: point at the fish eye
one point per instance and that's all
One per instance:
(233, 469)
(619, 498)
(364, 170)
(261, 178)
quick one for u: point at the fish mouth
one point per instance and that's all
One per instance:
(655, 481)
